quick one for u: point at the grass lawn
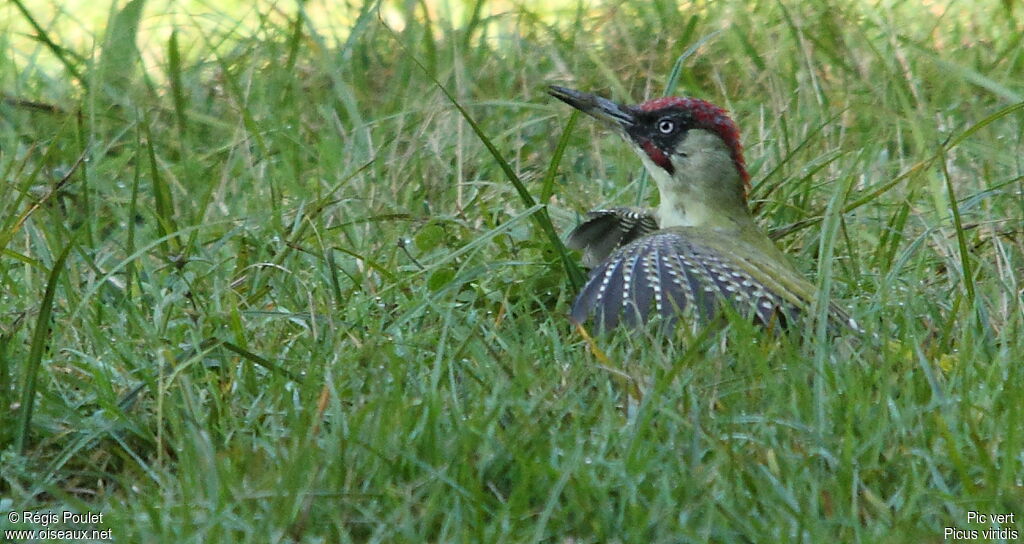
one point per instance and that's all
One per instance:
(262, 280)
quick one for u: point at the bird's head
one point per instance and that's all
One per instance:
(691, 148)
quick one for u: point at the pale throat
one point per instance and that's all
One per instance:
(675, 210)
(706, 190)
(682, 203)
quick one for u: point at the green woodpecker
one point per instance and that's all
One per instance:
(701, 246)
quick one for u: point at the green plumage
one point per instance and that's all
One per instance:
(689, 272)
(701, 249)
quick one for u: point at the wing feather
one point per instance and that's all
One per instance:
(606, 230)
(668, 274)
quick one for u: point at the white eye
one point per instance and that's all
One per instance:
(666, 126)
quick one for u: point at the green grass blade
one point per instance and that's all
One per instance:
(677, 68)
(260, 361)
(548, 183)
(35, 354)
(541, 217)
(61, 53)
(961, 238)
(970, 75)
(163, 201)
(174, 73)
(873, 194)
(119, 60)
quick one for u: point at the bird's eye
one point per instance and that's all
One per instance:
(666, 126)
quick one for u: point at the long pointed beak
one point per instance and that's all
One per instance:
(599, 108)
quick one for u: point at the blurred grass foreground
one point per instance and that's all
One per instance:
(261, 279)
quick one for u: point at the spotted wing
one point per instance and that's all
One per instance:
(604, 231)
(669, 275)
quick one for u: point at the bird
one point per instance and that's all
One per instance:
(700, 249)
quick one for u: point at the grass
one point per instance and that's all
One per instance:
(270, 284)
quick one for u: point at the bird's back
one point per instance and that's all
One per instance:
(688, 272)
